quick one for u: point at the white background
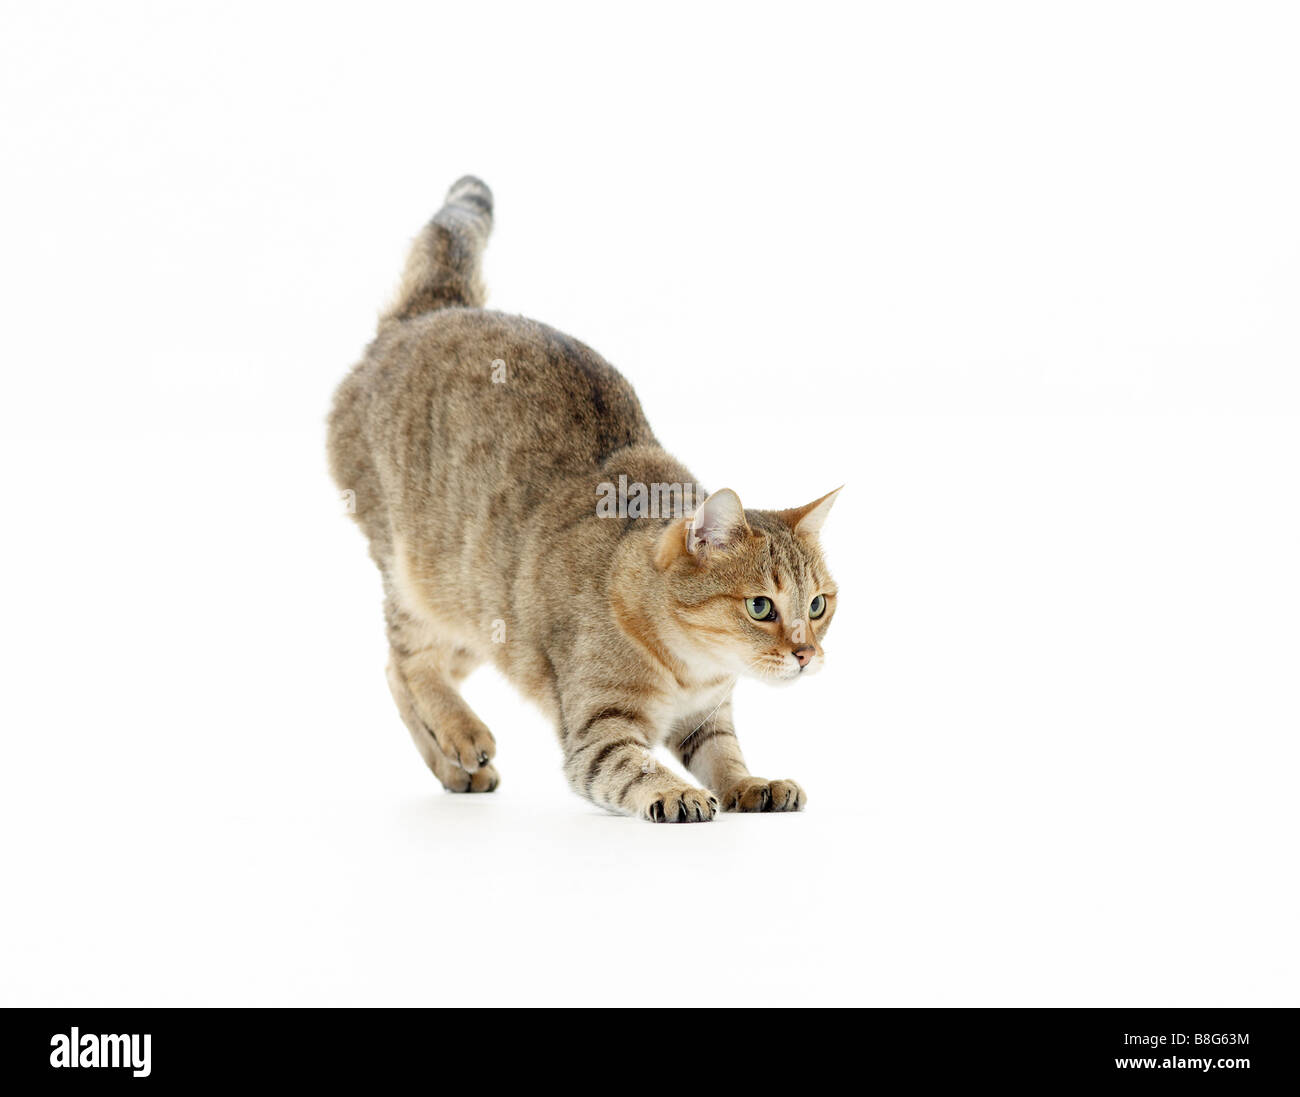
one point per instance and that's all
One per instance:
(1025, 277)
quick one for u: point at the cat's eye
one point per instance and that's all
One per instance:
(761, 609)
(818, 607)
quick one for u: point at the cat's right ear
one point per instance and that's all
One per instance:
(719, 521)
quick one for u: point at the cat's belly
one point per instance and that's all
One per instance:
(437, 618)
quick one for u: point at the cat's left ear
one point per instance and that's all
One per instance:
(808, 520)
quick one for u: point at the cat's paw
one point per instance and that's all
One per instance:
(755, 794)
(483, 779)
(682, 805)
(469, 745)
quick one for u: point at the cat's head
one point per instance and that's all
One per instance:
(749, 589)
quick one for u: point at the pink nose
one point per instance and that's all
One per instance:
(804, 655)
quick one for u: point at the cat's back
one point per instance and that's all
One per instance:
(491, 389)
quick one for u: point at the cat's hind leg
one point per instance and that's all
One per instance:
(423, 672)
(454, 777)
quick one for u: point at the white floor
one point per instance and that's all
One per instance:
(1052, 759)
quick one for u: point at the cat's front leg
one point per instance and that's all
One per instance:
(609, 761)
(711, 752)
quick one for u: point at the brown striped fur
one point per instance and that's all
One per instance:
(478, 497)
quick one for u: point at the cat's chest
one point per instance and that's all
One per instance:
(696, 703)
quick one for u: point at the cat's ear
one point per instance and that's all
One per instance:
(808, 520)
(719, 521)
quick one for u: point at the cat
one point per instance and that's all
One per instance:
(475, 449)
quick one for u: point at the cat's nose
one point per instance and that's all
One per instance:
(804, 654)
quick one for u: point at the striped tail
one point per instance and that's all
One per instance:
(442, 270)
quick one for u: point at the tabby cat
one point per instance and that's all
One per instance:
(475, 450)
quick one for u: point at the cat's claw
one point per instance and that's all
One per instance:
(757, 795)
(692, 805)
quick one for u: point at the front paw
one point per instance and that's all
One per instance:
(685, 805)
(755, 794)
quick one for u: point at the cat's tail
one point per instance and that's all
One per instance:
(442, 270)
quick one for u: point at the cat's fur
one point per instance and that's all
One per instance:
(472, 445)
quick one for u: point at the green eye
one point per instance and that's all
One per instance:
(817, 608)
(761, 609)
